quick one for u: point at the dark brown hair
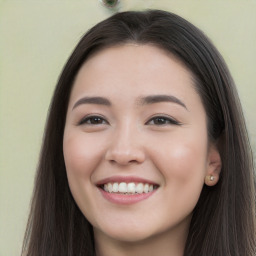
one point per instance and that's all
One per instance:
(223, 222)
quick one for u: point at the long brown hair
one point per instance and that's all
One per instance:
(223, 222)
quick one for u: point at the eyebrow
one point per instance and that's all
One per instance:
(93, 100)
(151, 99)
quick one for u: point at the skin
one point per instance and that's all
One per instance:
(129, 140)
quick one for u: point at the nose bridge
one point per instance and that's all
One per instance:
(125, 146)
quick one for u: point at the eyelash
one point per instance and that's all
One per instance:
(157, 120)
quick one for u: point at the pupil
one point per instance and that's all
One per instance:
(160, 121)
(96, 120)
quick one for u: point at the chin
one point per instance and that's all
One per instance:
(127, 233)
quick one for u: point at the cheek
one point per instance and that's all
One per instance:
(182, 160)
(81, 155)
(183, 167)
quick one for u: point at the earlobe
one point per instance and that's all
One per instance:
(213, 166)
(211, 180)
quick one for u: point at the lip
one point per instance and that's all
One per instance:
(125, 199)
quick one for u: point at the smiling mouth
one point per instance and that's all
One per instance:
(131, 188)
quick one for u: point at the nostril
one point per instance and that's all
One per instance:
(123, 162)
(124, 150)
(125, 158)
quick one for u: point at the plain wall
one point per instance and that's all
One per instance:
(36, 38)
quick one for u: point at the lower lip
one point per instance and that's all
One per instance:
(125, 199)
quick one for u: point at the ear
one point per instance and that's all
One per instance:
(214, 165)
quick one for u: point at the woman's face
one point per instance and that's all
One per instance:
(135, 143)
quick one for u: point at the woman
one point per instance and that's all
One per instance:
(145, 149)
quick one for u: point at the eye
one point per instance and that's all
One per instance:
(93, 120)
(162, 120)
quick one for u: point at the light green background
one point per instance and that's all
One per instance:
(36, 37)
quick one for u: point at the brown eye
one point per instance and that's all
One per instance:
(93, 120)
(162, 120)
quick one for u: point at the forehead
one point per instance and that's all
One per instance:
(137, 53)
(133, 63)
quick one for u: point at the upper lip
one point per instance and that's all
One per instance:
(126, 179)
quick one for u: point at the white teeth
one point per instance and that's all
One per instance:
(110, 188)
(122, 187)
(130, 188)
(115, 187)
(146, 187)
(139, 188)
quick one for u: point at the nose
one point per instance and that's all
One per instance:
(125, 148)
